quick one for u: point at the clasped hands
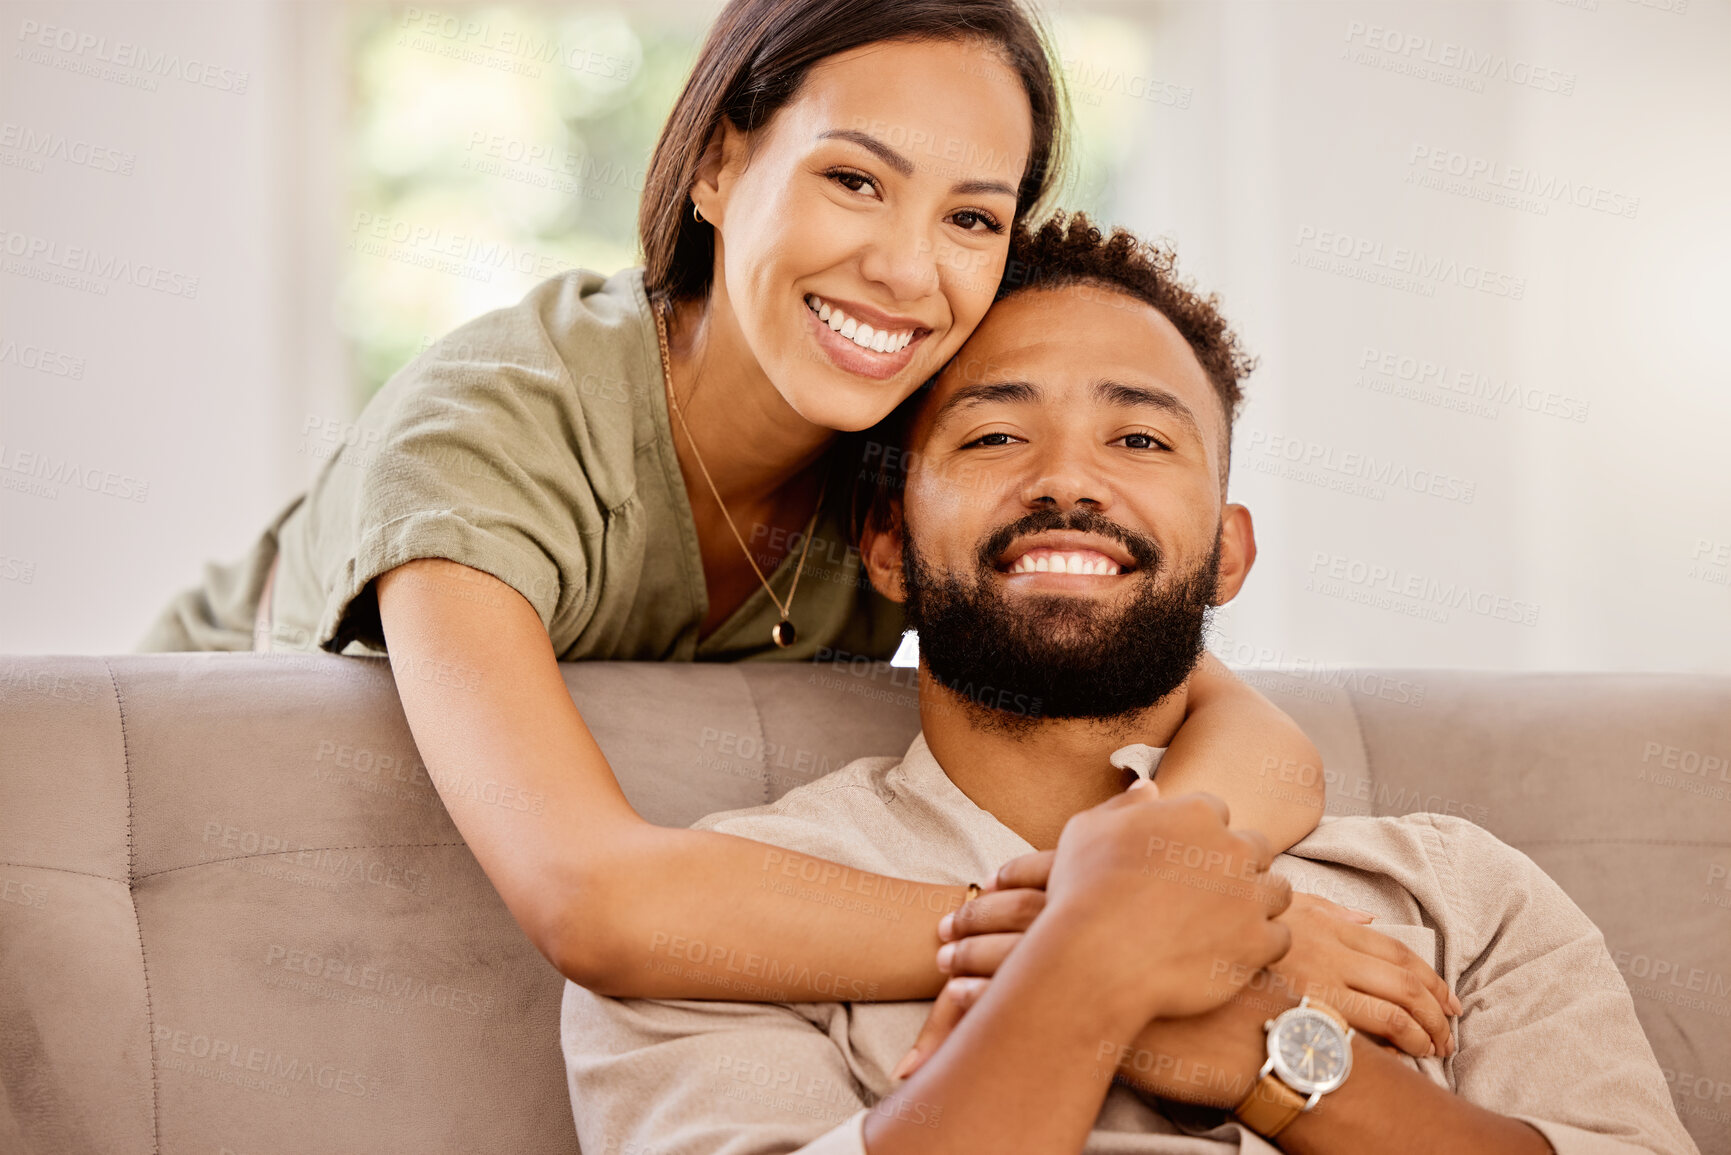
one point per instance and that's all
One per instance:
(1178, 920)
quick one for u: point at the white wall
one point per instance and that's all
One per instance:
(1269, 122)
(169, 435)
(1302, 140)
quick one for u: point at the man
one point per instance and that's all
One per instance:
(1060, 535)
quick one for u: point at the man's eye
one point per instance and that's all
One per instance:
(1143, 441)
(991, 439)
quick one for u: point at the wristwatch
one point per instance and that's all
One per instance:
(1309, 1055)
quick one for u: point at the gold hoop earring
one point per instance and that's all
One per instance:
(696, 213)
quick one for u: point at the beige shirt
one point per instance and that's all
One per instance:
(1547, 1031)
(533, 444)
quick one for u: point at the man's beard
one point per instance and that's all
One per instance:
(1037, 656)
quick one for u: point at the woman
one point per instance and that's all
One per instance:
(617, 469)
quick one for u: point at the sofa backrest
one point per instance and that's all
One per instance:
(237, 917)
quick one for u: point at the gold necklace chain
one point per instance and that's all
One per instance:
(782, 634)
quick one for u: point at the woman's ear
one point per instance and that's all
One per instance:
(1237, 552)
(881, 549)
(723, 158)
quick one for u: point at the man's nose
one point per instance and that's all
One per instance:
(1063, 483)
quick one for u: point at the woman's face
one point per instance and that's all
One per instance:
(861, 233)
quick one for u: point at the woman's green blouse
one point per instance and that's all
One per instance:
(533, 444)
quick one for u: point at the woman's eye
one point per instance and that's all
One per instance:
(1143, 441)
(852, 181)
(973, 221)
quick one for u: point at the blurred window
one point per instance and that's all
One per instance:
(493, 147)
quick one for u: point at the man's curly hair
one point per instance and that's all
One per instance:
(1068, 249)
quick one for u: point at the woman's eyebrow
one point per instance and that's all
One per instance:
(906, 167)
(873, 145)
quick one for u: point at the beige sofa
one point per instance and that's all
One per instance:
(236, 917)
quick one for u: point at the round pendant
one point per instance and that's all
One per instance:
(783, 634)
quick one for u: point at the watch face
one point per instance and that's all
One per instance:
(1310, 1051)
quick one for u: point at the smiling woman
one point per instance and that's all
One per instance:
(637, 467)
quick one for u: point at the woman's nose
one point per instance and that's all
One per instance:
(905, 261)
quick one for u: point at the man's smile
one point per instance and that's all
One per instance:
(1070, 553)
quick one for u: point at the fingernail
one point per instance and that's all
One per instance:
(946, 955)
(1139, 783)
(1363, 915)
(946, 927)
(906, 1065)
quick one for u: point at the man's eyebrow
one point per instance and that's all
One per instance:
(1015, 392)
(905, 167)
(1119, 394)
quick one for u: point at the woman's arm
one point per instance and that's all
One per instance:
(1239, 745)
(618, 905)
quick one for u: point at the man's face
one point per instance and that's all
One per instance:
(1063, 526)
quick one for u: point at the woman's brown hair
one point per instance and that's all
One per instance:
(753, 63)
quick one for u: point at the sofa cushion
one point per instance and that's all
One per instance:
(237, 917)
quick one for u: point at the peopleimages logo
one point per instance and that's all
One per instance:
(1407, 375)
(86, 46)
(1400, 590)
(49, 145)
(1459, 64)
(46, 471)
(1360, 474)
(89, 269)
(1398, 266)
(424, 244)
(1487, 179)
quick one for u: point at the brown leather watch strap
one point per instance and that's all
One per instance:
(1319, 1005)
(1271, 1104)
(1269, 1107)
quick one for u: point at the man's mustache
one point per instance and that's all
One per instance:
(1082, 519)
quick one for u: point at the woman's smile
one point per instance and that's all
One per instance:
(853, 343)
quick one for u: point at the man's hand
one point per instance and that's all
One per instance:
(1166, 903)
(1378, 984)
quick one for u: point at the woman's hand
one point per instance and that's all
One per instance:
(977, 937)
(1378, 984)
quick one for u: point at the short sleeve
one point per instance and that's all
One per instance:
(482, 451)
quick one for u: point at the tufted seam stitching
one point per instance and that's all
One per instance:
(137, 920)
(762, 741)
(297, 850)
(65, 870)
(1363, 747)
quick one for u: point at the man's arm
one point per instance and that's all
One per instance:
(1124, 938)
(1550, 1055)
(1024, 1076)
(1386, 1105)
